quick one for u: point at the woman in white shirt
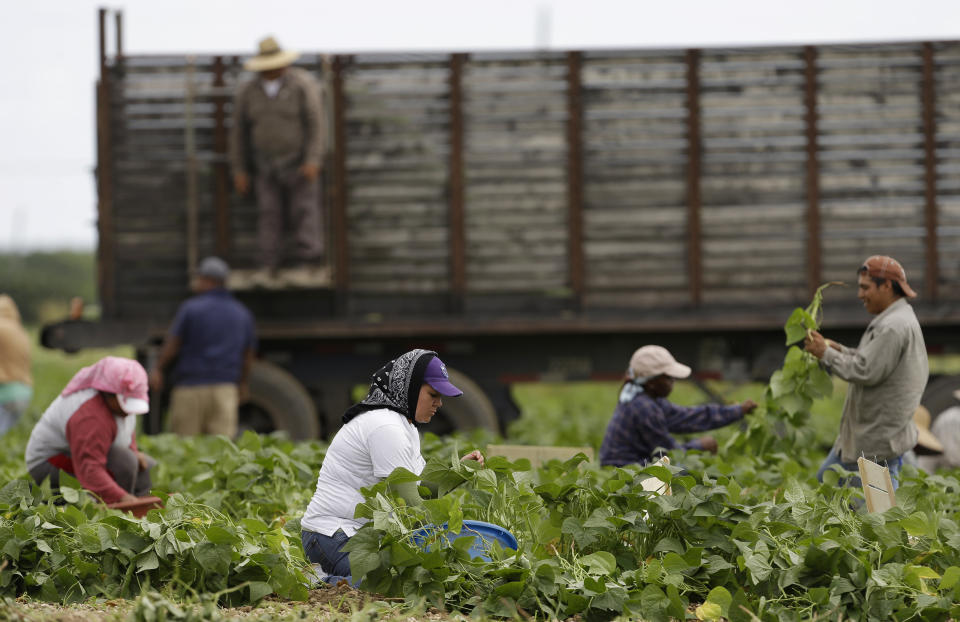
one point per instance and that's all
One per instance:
(379, 434)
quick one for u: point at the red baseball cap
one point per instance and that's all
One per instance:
(884, 267)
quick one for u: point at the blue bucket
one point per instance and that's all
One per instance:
(484, 535)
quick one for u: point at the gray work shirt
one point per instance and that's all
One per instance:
(887, 373)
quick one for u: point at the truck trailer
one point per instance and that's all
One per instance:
(538, 215)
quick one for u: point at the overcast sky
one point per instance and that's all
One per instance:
(47, 197)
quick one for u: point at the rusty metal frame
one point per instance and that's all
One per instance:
(106, 251)
(929, 97)
(221, 173)
(456, 215)
(341, 255)
(811, 122)
(575, 176)
(694, 161)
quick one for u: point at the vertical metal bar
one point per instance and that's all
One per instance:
(221, 173)
(118, 21)
(811, 120)
(932, 271)
(575, 176)
(105, 226)
(339, 213)
(457, 217)
(190, 149)
(694, 200)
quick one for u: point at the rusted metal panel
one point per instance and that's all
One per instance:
(814, 271)
(694, 248)
(457, 233)
(105, 226)
(221, 173)
(575, 175)
(932, 273)
(341, 277)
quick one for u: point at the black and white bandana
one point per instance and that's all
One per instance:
(396, 385)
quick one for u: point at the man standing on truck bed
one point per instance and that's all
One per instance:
(278, 134)
(212, 339)
(887, 373)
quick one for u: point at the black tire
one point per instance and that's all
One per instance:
(471, 410)
(939, 395)
(278, 402)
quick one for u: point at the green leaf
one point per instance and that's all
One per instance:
(219, 535)
(600, 562)
(951, 577)
(147, 561)
(364, 549)
(917, 524)
(717, 604)
(513, 589)
(259, 590)
(796, 326)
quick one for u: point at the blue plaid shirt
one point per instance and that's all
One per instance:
(642, 424)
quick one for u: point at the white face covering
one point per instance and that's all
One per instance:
(271, 87)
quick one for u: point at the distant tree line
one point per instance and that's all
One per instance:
(42, 283)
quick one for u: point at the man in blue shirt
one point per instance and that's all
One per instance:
(212, 339)
(643, 419)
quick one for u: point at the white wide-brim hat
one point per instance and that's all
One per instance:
(270, 56)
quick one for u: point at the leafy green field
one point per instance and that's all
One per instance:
(747, 534)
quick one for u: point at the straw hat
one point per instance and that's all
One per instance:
(270, 56)
(925, 438)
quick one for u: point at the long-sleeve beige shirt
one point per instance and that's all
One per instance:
(280, 132)
(887, 373)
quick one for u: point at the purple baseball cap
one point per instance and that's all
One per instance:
(437, 377)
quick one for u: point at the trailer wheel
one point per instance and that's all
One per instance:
(471, 410)
(278, 402)
(938, 395)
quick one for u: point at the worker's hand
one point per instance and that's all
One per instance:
(708, 443)
(474, 455)
(815, 344)
(156, 380)
(241, 181)
(309, 171)
(748, 406)
(126, 498)
(142, 461)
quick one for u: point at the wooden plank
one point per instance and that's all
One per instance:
(106, 267)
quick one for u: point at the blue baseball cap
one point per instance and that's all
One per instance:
(437, 377)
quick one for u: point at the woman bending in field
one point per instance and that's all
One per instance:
(379, 434)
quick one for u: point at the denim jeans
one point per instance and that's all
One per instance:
(853, 481)
(325, 550)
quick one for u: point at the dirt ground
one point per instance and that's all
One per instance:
(341, 602)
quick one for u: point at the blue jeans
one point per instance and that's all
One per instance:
(853, 481)
(325, 550)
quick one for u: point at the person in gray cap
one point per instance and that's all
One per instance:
(212, 342)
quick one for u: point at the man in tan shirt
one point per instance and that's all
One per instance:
(277, 143)
(887, 372)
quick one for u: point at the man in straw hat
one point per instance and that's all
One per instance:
(277, 140)
(887, 373)
(643, 419)
(945, 433)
